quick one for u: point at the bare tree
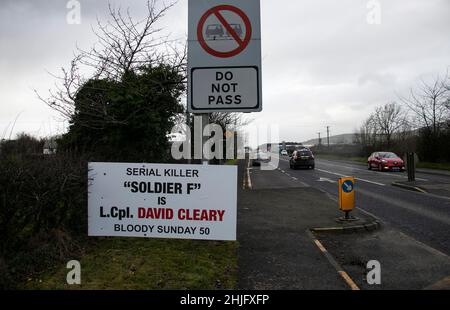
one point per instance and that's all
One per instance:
(429, 103)
(390, 120)
(62, 97)
(234, 121)
(447, 86)
(124, 45)
(368, 132)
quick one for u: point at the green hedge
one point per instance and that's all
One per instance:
(42, 205)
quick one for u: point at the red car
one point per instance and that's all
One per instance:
(385, 161)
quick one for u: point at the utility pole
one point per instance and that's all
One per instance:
(328, 136)
(320, 140)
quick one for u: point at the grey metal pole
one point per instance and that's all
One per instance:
(188, 124)
(205, 122)
(411, 167)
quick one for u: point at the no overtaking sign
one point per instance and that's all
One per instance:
(224, 29)
(224, 56)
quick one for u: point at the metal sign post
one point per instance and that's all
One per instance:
(411, 166)
(205, 122)
(224, 56)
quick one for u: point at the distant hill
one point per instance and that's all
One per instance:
(347, 138)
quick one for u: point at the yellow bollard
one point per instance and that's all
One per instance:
(347, 195)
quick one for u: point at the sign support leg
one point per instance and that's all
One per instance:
(205, 122)
(188, 125)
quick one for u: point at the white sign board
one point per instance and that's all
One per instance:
(224, 56)
(162, 201)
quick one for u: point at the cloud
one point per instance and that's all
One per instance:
(323, 64)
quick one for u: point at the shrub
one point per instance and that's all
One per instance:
(42, 206)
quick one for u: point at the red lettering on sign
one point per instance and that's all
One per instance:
(201, 215)
(155, 213)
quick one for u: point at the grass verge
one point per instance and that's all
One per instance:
(439, 166)
(149, 264)
(231, 162)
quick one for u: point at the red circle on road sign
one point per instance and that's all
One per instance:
(242, 43)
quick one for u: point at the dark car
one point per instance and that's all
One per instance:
(302, 158)
(385, 161)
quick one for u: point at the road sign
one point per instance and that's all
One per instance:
(348, 186)
(233, 33)
(346, 194)
(162, 201)
(224, 56)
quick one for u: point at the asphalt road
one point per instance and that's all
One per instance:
(424, 217)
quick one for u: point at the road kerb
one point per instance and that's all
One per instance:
(443, 284)
(374, 225)
(249, 180)
(409, 187)
(344, 275)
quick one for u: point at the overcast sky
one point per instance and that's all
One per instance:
(323, 63)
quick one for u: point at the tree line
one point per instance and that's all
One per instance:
(418, 122)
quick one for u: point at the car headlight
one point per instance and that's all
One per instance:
(384, 161)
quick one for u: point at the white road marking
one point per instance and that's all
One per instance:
(366, 170)
(364, 180)
(293, 178)
(372, 182)
(359, 179)
(249, 180)
(334, 173)
(273, 166)
(326, 180)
